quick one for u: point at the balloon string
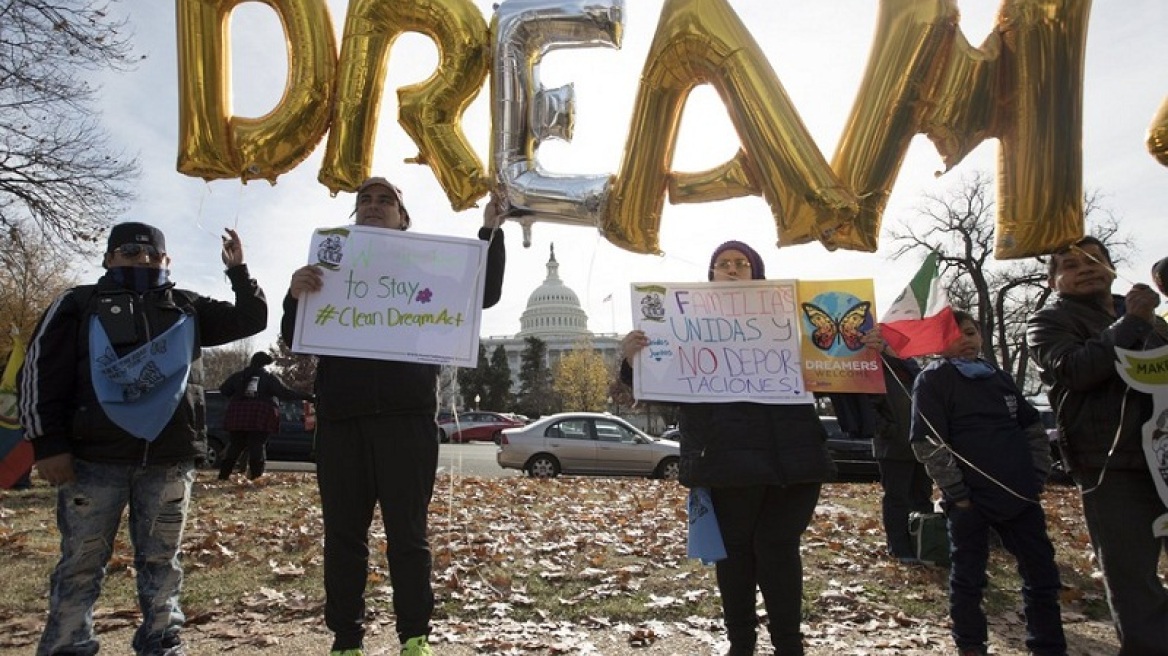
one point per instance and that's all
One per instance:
(199, 214)
(238, 205)
(1100, 262)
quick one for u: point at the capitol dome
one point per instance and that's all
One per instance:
(553, 309)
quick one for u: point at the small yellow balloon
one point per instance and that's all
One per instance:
(430, 111)
(704, 41)
(215, 144)
(1158, 134)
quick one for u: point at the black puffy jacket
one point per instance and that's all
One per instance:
(739, 444)
(1074, 341)
(58, 406)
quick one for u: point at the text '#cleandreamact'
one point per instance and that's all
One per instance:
(354, 317)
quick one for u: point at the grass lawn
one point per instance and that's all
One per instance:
(518, 549)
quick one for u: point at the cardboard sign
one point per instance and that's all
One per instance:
(393, 295)
(834, 315)
(764, 341)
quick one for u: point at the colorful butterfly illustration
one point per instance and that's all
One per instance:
(829, 330)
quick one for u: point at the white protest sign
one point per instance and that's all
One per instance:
(1147, 372)
(393, 295)
(719, 342)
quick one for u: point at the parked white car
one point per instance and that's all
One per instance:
(586, 443)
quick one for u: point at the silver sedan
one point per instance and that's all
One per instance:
(586, 443)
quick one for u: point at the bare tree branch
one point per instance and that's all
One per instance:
(959, 226)
(59, 174)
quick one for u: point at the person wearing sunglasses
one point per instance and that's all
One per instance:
(111, 397)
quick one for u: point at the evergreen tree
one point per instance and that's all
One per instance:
(536, 396)
(498, 383)
(297, 370)
(473, 382)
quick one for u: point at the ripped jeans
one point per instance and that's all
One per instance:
(89, 511)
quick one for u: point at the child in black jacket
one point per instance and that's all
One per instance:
(985, 447)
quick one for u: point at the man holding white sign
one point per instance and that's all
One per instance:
(377, 443)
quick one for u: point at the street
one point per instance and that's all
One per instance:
(473, 459)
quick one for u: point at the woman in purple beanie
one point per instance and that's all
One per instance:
(763, 465)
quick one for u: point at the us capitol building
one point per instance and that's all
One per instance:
(554, 316)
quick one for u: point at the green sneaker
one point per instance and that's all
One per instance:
(346, 652)
(416, 646)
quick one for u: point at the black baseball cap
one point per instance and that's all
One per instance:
(135, 233)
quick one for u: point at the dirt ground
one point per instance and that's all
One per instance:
(305, 637)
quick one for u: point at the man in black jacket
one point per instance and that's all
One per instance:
(377, 445)
(253, 413)
(1100, 421)
(906, 485)
(111, 397)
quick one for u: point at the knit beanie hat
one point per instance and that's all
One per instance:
(757, 270)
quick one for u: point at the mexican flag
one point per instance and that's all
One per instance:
(15, 453)
(920, 321)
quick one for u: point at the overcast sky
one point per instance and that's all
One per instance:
(818, 48)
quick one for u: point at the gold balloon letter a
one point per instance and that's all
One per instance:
(213, 143)
(430, 112)
(704, 41)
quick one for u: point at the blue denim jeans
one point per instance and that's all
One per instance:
(89, 511)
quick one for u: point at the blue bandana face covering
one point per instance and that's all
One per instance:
(139, 279)
(140, 390)
(973, 368)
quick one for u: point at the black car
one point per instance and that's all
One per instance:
(853, 456)
(293, 442)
